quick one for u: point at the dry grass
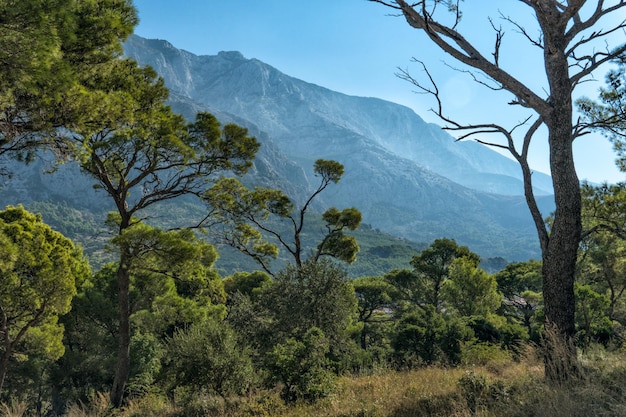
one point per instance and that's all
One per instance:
(514, 389)
(99, 406)
(14, 409)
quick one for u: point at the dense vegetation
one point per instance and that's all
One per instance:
(161, 332)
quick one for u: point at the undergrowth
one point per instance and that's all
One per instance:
(512, 389)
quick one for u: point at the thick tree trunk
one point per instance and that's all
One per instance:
(559, 255)
(123, 349)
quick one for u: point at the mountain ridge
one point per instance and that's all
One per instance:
(211, 80)
(380, 144)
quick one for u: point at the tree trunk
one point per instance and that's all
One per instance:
(123, 350)
(560, 254)
(4, 366)
(8, 349)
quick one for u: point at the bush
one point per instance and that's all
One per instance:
(207, 356)
(302, 367)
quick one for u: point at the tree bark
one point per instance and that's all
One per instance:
(4, 365)
(123, 348)
(122, 368)
(560, 254)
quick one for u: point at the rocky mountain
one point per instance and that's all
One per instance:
(408, 177)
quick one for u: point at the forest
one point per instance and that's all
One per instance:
(158, 332)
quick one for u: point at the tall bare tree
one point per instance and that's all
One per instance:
(575, 43)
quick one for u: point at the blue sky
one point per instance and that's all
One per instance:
(356, 47)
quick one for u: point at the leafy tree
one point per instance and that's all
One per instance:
(373, 294)
(141, 154)
(471, 291)
(249, 284)
(240, 218)
(90, 340)
(593, 323)
(173, 276)
(431, 269)
(574, 44)
(39, 272)
(520, 284)
(302, 367)
(208, 356)
(316, 294)
(48, 49)
(172, 285)
(427, 336)
(603, 257)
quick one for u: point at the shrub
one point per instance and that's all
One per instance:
(207, 356)
(302, 367)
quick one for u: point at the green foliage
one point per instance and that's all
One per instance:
(374, 296)
(173, 282)
(247, 283)
(90, 330)
(592, 321)
(258, 222)
(428, 336)
(431, 268)
(330, 171)
(520, 284)
(207, 356)
(302, 367)
(470, 290)
(146, 355)
(608, 115)
(316, 294)
(39, 272)
(49, 48)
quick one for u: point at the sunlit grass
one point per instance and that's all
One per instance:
(493, 389)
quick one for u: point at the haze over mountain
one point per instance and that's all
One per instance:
(408, 177)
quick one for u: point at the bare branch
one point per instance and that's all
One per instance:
(453, 43)
(522, 30)
(496, 49)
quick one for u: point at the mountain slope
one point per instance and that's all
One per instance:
(295, 113)
(398, 168)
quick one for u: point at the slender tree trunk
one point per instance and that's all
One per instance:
(4, 359)
(4, 365)
(123, 349)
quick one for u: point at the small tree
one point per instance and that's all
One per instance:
(316, 294)
(470, 290)
(373, 294)
(520, 284)
(39, 271)
(431, 269)
(240, 218)
(302, 367)
(208, 356)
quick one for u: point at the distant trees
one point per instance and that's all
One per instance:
(574, 43)
(39, 272)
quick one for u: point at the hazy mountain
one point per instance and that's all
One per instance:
(302, 117)
(408, 177)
